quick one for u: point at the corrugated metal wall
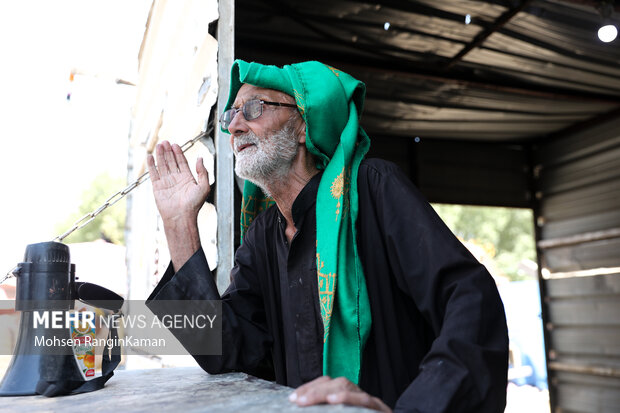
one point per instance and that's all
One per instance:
(577, 180)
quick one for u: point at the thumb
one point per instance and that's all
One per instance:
(201, 171)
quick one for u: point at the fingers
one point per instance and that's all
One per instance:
(150, 163)
(170, 158)
(162, 166)
(202, 173)
(180, 159)
(302, 390)
(358, 399)
(335, 391)
(316, 391)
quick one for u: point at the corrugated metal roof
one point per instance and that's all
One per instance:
(537, 67)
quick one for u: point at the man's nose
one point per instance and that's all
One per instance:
(238, 124)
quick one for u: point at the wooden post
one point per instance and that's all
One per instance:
(224, 172)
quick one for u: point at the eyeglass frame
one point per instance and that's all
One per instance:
(242, 110)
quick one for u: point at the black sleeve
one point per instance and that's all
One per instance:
(466, 367)
(246, 341)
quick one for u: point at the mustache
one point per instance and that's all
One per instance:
(248, 138)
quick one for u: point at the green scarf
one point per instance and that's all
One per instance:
(330, 101)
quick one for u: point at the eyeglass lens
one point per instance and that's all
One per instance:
(252, 109)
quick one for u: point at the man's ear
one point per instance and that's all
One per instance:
(302, 133)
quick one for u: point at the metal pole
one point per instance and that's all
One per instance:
(534, 186)
(224, 171)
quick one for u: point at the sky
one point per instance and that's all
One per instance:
(51, 147)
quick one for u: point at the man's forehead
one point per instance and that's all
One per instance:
(247, 92)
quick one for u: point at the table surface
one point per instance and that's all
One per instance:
(178, 389)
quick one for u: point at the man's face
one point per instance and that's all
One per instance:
(265, 147)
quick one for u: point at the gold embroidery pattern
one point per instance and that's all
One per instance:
(337, 190)
(334, 70)
(252, 207)
(327, 286)
(340, 187)
(300, 99)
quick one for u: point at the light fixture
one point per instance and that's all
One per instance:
(386, 26)
(468, 19)
(607, 33)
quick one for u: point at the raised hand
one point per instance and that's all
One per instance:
(178, 197)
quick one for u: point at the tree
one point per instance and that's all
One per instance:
(510, 231)
(110, 224)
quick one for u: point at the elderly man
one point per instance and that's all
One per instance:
(349, 288)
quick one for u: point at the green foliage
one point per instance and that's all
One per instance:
(110, 224)
(509, 230)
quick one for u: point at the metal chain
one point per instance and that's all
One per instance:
(86, 219)
(9, 274)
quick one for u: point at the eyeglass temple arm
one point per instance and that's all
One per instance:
(291, 105)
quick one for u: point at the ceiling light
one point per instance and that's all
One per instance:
(607, 33)
(468, 19)
(386, 25)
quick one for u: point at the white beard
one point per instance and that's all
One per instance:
(269, 159)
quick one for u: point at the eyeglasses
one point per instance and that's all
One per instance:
(251, 109)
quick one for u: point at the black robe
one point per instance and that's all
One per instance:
(438, 341)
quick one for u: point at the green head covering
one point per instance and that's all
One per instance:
(330, 102)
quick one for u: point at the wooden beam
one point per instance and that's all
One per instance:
(586, 124)
(483, 35)
(224, 162)
(580, 238)
(590, 3)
